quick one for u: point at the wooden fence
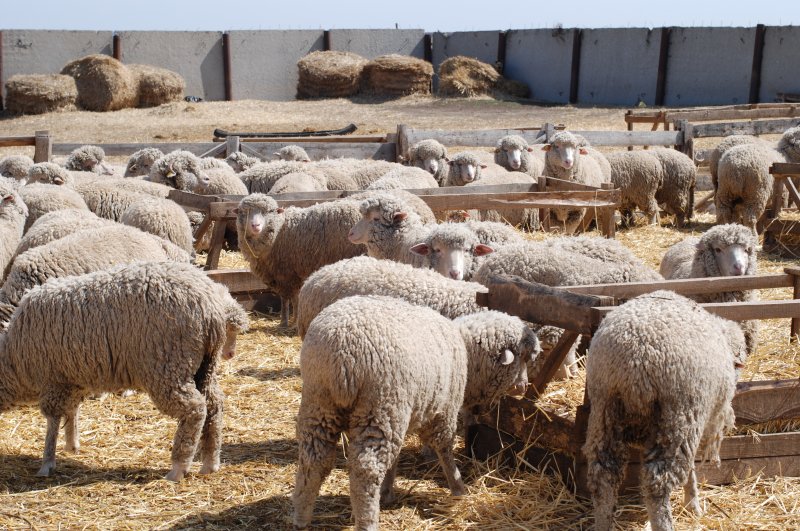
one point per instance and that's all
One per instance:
(42, 144)
(782, 236)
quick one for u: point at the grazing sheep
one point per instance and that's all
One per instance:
(405, 177)
(158, 327)
(364, 275)
(660, 375)
(638, 175)
(163, 218)
(106, 199)
(514, 154)
(453, 250)
(724, 145)
(723, 251)
(374, 380)
(360, 172)
(221, 181)
(789, 145)
(182, 170)
(57, 224)
(431, 156)
(81, 252)
(744, 184)
(284, 246)
(15, 166)
(676, 192)
(292, 153)
(413, 202)
(298, 182)
(13, 214)
(389, 229)
(44, 198)
(141, 162)
(88, 158)
(241, 162)
(49, 173)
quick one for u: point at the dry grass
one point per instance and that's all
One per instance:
(329, 74)
(40, 93)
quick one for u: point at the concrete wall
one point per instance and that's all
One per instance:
(482, 45)
(542, 58)
(195, 55)
(46, 52)
(619, 66)
(264, 63)
(372, 43)
(709, 66)
(780, 71)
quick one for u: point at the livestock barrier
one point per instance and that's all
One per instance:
(527, 432)
(782, 236)
(41, 141)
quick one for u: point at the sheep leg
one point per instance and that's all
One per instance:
(317, 433)
(750, 217)
(652, 211)
(50, 439)
(284, 311)
(573, 221)
(211, 438)
(55, 403)
(724, 211)
(388, 496)
(188, 405)
(71, 432)
(690, 497)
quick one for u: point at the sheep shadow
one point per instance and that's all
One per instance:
(269, 375)
(273, 451)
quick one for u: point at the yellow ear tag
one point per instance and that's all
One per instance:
(171, 173)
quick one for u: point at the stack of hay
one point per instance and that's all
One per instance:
(157, 86)
(40, 93)
(466, 77)
(397, 75)
(104, 84)
(329, 74)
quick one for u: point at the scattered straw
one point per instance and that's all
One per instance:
(467, 77)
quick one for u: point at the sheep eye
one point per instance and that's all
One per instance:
(748, 250)
(717, 250)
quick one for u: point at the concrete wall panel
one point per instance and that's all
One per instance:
(781, 64)
(372, 43)
(542, 58)
(709, 66)
(196, 55)
(264, 63)
(481, 45)
(619, 66)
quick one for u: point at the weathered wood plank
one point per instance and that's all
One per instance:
(737, 311)
(124, 149)
(192, 201)
(555, 359)
(332, 139)
(237, 280)
(323, 150)
(767, 445)
(785, 168)
(744, 128)
(473, 138)
(764, 401)
(43, 146)
(17, 141)
(633, 138)
(217, 238)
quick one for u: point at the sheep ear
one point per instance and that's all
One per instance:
(58, 180)
(398, 217)
(235, 211)
(276, 154)
(738, 365)
(506, 357)
(547, 147)
(583, 151)
(450, 162)
(280, 210)
(8, 198)
(482, 250)
(529, 149)
(421, 249)
(483, 166)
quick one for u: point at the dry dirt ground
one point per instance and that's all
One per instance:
(116, 481)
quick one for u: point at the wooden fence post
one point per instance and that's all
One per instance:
(231, 145)
(43, 146)
(544, 213)
(402, 142)
(605, 217)
(688, 138)
(795, 327)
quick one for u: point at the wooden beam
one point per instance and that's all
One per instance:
(213, 152)
(553, 362)
(323, 150)
(467, 138)
(237, 280)
(763, 127)
(575, 70)
(17, 141)
(231, 145)
(632, 138)
(333, 139)
(758, 59)
(217, 239)
(737, 311)
(765, 401)
(43, 146)
(778, 168)
(663, 60)
(125, 149)
(192, 201)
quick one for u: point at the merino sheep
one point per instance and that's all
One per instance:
(298, 182)
(639, 175)
(44, 198)
(358, 172)
(141, 162)
(107, 200)
(213, 163)
(724, 145)
(221, 181)
(292, 153)
(413, 202)
(81, 252)
(431, 156)
(13, 214)
(524, 218)
(660, 375)
(514, 154)
(57, 224)
(470, 166)
(182, 170)
(284, 246)
(15, 166)
(241, 162)
(364, 275)
(49, 173)
(494, 233)
(608, 251)
(453, 250)
(163, 218)
(405, 177)
(163, 326)
(371, 379)
(676, 192)
(140, 186)
(789, 145)
(262, 177)
(88, 158)
(724, 250)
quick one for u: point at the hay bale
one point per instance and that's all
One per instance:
(397, 75)
(104, 84)
(466, 77)
(40, 93)
(329, 74)
(157, 86)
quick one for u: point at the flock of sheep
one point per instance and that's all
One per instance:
(384, 299)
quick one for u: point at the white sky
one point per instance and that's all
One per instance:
(430, 15)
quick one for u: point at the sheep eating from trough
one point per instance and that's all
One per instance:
(141, 162)
(660, 375)
(292, 153)
(88, 158)
(158, 327)
(431, 156)
(377, 380)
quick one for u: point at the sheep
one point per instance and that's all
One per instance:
(81, 252)
(524, 218)
(163, 218)
(57, 224)
(141, 162)
(140, 186)
(213, 163)
(744, 184)
(724, 145)
(15, 166)
(413, 202)
(639, 175)
(678, 181)
(660, 375)
(389, 228)
(49, 173)
(375, 381)
(494, 233)
(221, 181)
(789, 145)
(262, 177)
(470, 166)
(240, 162)
(179, 169)
(453, 250)
(404, 178)
(107, 200)
(164, 327)
(298, 182)
(13, 214)
(8, 183)
(723, 250)
(283, 247)
(514, 154)
(431, 156)
(347, 172)
(608, 251)
(88, 158)
(364, 275)
(44, 198)
(292, 153)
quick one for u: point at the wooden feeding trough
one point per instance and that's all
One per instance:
(525, 432)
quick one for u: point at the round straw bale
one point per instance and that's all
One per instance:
(397, 75)
(104, 84)
(466, 77)
(157, 86)
(329, 74)
(40, 93)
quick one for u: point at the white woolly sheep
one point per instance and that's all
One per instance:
(724, 145)
(13, 214)
(284, 246)
(360, 172)
(660, 375)
(79, 253)
(413, 202)
(57, 224)
(405, 177)
(49, 173)
(470, 166)
(431, 156)
(299, 182)
(514, 154)
(263, 176)
(107, 200)
(370, 379)
(723, 250)
(364, 275)
(638, 174)
(164, 328)
(88, 158)
(213, 163)
(140, 186)
(44, 198)
(453, 250)
(494, 233)
(182, 170)
(292, 153)
(676, 192)
(163, 218)
(523, 218)
(789, 145)
(141, 162)
(221, 181)
(240, 161)
(15, 166)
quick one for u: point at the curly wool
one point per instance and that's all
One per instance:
(522, 218)
(452, 248)
(292, 153)
(86, 158)
(240, 161)
(789, 145)
(141, 162)
(413, 202)
(49, 173)
(608, 251)
(405, 177)
(639, 175)
(360, 172)
(263, 176)
(298, 182)
(181, 170)
(13, 214)
(158, 327)
(494, 233)
(15, 166)
(396, 230)
(107, 200)
(677, 187)
(660, 376)
(44, 198)
(364, 275)
(431, 156)
(140, 186)
(57, 224)
(531, 162)
(371, 378)
(724, 145)
(163, 218)
(221, 181)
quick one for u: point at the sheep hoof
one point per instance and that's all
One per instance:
(72, 448)
(459, 491)
(388, 498)
(693, 506)
(176, 474)
(209, 468)
(46, 469)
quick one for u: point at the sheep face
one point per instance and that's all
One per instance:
(9, 203)
(564, 154)
(732, 260)
(371, 218)
(466, 172)
(251, 219)
(452, 257)
(430, 165)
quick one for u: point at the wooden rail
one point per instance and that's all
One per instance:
(774, 227)
(41, 141)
